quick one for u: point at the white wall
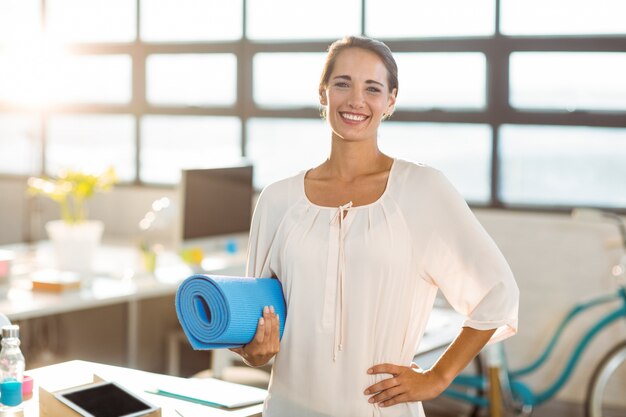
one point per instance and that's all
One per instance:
(557, 261)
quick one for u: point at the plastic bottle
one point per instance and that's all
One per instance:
(12, 367)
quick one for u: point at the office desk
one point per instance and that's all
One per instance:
(73, 373)
(119, 278)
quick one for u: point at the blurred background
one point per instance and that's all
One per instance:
(522, 104)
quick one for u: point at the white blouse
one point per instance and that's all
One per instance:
(359, 287)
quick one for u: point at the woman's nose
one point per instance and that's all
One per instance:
(356, 99)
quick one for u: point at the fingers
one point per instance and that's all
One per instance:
(385, 368)
(266, 342)
(261, 330)
(402, 398)
(382, 385)
(400, 387)
(275, 327)
(268, 325)
(387, 394)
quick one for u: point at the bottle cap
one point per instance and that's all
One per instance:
(11, 392)
(27, 385)
(11, 330)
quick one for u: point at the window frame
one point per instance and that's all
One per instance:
(496, 48)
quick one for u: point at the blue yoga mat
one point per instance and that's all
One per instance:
(223, 312)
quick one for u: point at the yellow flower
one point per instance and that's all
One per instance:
(71, 188)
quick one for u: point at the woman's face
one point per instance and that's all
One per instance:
(357, 95)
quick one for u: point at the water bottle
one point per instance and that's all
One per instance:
(12, 366)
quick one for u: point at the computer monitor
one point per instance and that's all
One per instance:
(216, 204)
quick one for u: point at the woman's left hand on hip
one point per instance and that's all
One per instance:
(406, 384)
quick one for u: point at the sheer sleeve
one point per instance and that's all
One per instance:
(467, 266)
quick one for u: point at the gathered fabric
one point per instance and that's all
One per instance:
(339, 316)
(360, 283)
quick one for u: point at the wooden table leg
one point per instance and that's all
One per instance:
(495, 392)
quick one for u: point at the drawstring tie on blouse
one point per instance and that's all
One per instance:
(339, 313)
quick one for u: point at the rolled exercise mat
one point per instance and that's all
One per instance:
(222, 312)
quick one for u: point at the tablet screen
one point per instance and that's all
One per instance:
(105, 399)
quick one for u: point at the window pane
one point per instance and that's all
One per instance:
(171, 143)
(562, 17)
(91, 20)
(296, 87)
(20, 80)
(283, 147)
(30, 80)
(92, 143)
(20, 144)
(563, 165)
(290, 20)
(190, 20)
(568, 80)
(461, 151)
(441, 80)
(90, 79)
(19, 22)
(192, 79)
(429, 18)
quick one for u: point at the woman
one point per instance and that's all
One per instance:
(361, 245)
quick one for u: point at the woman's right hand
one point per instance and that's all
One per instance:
(266, 341)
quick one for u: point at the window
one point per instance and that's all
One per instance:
(190, 20)
(192, 79)
(19, 23)
(287, 80)
(563, 165)
(429, 18)
(283, 147)
(568, 81)
(82, 21)
(91, 143)
(563, 17)
(289, 20)
(495, 93)
(89, 79)
(461, 151)
(20, 147)
(442, 81)
(171, 143)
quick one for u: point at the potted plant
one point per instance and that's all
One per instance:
(74, 237)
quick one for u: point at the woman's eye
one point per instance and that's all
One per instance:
(373, 90)
(341, 84)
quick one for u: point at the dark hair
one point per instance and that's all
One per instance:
(368, 44)
(372, 45)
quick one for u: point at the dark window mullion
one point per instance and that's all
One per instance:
(245, 80)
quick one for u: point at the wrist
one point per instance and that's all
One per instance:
(440, 378)
(254, 360)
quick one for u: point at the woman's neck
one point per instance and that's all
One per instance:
(349, 160)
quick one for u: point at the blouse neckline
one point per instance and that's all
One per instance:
(373, 203)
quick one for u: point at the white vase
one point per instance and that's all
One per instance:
(74, 245)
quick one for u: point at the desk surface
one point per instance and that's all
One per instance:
(73, 373)
(119, 278)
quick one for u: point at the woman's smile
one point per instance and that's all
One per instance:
(353, 118)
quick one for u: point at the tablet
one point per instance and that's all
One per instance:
(104, 399)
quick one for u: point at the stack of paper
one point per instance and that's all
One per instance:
(212, 392)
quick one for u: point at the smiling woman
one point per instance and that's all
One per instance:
(358, 95)
(361, 244)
